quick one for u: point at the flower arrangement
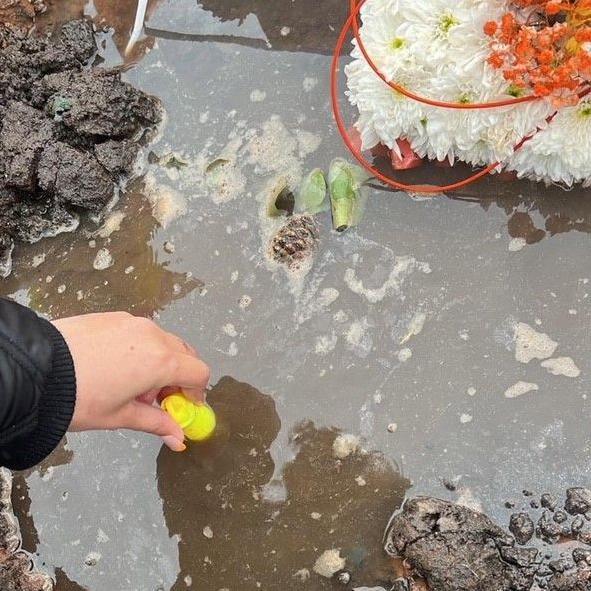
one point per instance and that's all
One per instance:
(530, 59)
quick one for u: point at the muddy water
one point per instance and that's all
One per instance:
(403, 332)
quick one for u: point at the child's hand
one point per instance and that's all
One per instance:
(123, 364)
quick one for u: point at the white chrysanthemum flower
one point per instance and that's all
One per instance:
(561, 153)
(439, 50)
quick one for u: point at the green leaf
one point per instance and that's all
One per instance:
(347, 194)
(215, 164)
(312, 194)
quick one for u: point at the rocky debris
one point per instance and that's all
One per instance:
(295, 241)
(547, 529)
(16, 572)
(453, 547)
(522, 527)
(578, 501)
(578, 580)
(68, 134)
(450, 547)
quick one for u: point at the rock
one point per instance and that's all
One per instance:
(577, 525)
(547, 529)
(453, 548)
(522, 527)
(560, 516)
(522, 557)
(561, 565)
(578, 500)
(548, 502)
(74, 177)
(16, 570)
(401, 584)
(582, 555)
(578, 580)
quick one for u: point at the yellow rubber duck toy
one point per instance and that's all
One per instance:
(197, 421)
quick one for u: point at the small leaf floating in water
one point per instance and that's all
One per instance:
(280, 199)
(347, 194)
(312, 193)
(170, 160)
(215, 164)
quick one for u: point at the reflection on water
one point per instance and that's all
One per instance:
(58, 278)
(534, 211)
(235, 533)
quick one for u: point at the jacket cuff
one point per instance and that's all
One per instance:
(55, 410)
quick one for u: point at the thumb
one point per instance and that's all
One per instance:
(139, 416)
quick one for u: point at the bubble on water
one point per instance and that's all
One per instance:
(103, 260)
(257, 96)
(562, 366)
(530, 344)
(329, 563)
(520, 388)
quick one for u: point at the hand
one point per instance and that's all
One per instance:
(123, 365)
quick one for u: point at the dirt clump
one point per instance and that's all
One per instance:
(448, 547)
(453, 547)
(69, 133)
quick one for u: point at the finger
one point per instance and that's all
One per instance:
(149, 397)
(164, 392)
(151, 419)
(190, 373)
(179, 345)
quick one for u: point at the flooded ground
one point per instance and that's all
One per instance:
(421, 332)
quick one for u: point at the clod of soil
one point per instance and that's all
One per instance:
(68, 134)
(15, 565)
(522, 527)
(578, 501)
(453, 548)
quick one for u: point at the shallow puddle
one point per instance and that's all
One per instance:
(405, 332)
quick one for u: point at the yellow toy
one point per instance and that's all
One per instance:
(197, 421)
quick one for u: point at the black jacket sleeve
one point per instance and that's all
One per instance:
(37, 387)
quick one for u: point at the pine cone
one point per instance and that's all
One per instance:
(295, 241)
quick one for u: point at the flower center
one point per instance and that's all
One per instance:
(585, 110)
(397, 43)
(447, 21)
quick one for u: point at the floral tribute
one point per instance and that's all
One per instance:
(531, 56)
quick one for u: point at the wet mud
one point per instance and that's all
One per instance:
(239, 522)
(69, 136)
(291, 517)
